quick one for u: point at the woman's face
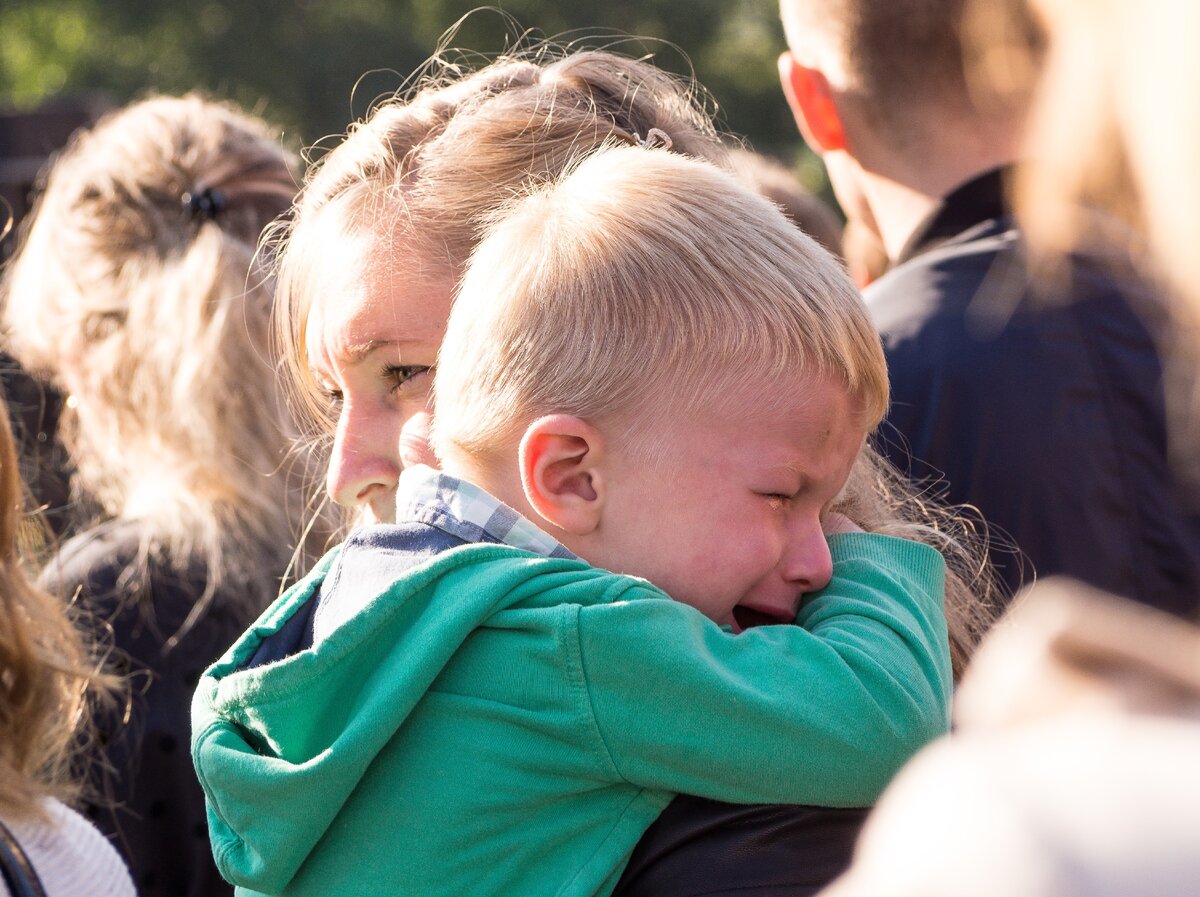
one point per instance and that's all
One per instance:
(372, 338)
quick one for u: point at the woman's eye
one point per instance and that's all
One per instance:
(776, 500)
(330, 394)
(397, 375)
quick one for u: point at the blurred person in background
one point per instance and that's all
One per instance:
(135, 288)
(50, 682)
(1040, 402)
(1072, 771)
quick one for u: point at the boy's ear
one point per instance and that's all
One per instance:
(560, 457)
(811, 100)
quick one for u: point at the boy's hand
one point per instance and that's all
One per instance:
(839, 523)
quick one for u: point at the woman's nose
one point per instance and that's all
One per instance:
(364, 467)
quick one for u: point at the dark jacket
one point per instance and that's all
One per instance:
(152, 807)
(1041, 404)
(701, 848)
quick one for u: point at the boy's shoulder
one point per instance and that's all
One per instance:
(381, 565)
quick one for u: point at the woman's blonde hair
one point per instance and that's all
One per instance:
(136, 288)
(437, 160)
(644, 279)
(49, 677)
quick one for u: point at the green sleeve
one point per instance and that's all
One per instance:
(823, 713)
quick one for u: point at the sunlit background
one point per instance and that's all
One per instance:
(312, 66)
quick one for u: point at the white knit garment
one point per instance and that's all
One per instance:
(71, 857)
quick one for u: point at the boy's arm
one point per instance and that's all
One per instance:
(820, 713)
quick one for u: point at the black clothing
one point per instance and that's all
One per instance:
(34, 407)
(159, 824)
(701, 848)
(1041, 405)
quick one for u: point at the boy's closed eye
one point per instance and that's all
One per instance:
(777, 500)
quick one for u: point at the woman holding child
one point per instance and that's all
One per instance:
(400, 206)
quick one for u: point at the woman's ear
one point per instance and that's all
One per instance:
(560, 459)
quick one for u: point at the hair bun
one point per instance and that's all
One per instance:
(204, 205)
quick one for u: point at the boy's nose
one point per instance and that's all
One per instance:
(807, 563)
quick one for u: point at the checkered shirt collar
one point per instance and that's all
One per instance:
(464, 510)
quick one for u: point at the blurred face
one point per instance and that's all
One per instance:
(372, 339)
(732, 521)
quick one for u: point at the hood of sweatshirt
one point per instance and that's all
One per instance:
(279, 746)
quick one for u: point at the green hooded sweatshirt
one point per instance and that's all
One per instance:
(495, 722)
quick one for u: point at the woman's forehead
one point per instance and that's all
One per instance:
(372, 295)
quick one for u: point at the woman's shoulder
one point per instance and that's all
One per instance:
(70, 856)
(141, 601)
(94, 558)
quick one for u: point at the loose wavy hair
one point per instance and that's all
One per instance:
(50, 679)
(137, 288)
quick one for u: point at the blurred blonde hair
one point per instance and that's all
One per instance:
(50, 680)
(156, 320)
(1112, 142)
(643, 278)
(1116, 83)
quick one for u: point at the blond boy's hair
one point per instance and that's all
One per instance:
(643, 278)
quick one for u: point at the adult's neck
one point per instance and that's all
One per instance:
(902, 189)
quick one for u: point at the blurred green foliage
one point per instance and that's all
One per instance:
(312, 66)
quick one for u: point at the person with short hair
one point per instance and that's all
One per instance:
(655, 373)
(1039, 401)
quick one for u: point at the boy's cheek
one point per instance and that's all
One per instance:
(414, 441)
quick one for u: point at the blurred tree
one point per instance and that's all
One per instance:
(311, 65)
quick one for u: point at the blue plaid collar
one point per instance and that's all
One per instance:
(464, 510)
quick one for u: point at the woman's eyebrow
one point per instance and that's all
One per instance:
(356, 352)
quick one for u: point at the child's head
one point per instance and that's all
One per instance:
(652, 360)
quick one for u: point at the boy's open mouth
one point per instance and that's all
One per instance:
(748, 617)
